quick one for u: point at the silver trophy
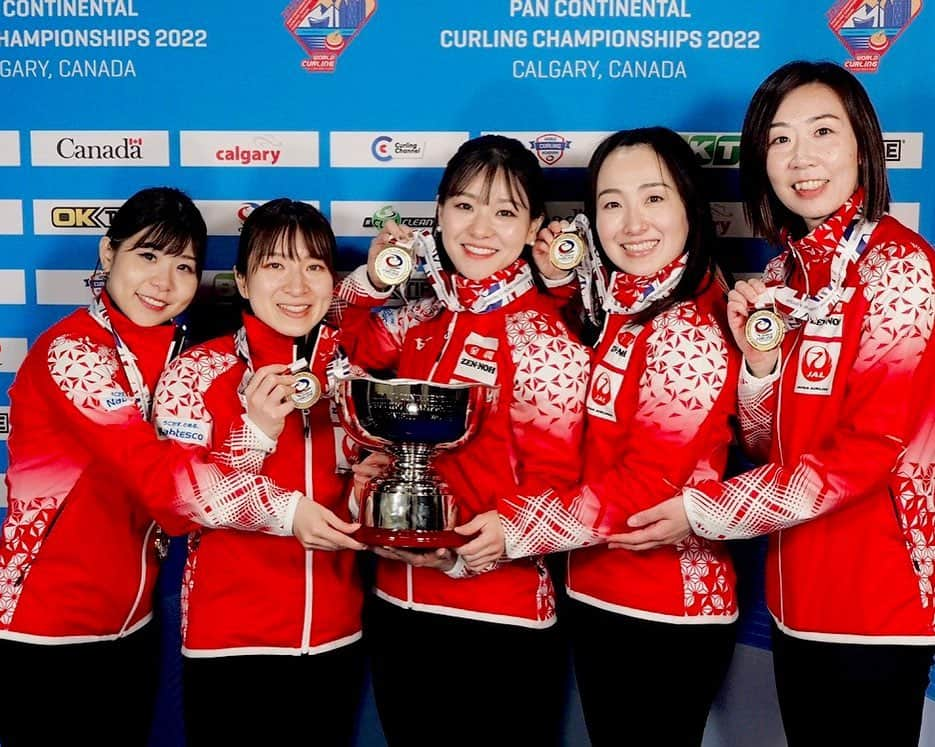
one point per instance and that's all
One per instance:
(411, 420)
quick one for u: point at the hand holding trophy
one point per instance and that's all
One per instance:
(409, 506)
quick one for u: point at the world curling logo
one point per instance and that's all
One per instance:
(550, 147)
(325, 28)
(868, 28)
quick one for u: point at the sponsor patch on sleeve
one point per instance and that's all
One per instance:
(184, 431)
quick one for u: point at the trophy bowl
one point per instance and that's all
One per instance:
(410, 506)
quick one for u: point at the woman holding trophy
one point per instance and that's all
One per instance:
(267, 465)
(80, 551)
(836, 399)
(444, 622)
(661, 396)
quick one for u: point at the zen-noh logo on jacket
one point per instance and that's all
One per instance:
(868, 28)
(325, 28)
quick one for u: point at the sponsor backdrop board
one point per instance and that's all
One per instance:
(353, 104)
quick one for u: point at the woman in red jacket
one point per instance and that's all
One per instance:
(446, 640)
(661, 397)
(80, 553)
(270, 625)
(836, 399)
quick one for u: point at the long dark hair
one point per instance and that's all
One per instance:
(765, 213)
(701, 243)
(490, 156)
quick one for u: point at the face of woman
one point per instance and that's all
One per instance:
(641, 219)
(147, 285)
(811, 157)
(483, 237)
(289, 295)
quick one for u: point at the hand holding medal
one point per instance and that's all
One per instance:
(306, 390)
(392, 264)
(567, 249)
(560, 247)
(757, 327)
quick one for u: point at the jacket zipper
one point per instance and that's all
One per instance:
(24, 571)
(309, 588)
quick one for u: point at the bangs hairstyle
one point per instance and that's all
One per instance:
(701, 243)
(765, 213)
(276, 224)
(489, 157)
(169, 220)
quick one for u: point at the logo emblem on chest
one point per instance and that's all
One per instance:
(477, 360)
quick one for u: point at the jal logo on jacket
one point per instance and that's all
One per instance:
(477, 360)
(602, 394)
(818, 362)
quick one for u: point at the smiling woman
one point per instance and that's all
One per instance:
(490, 323)
(266, 483)
(80, 552)
(836, 402)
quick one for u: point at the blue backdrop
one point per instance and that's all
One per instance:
(354, 104)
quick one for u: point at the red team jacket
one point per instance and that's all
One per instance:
(847, 426)
(532, 439)
(659, 407)
(256, 591)
(77, 561)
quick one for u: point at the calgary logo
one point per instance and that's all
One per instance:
(549, 147)
(325, 28)
(868, 28)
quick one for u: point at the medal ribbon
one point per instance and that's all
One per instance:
(458, 293)
(141, 393)
(619, 292)
(797, 307)
(630, 294)
(306, 349)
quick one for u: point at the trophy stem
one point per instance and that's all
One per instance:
(409, 497)
(413, 460)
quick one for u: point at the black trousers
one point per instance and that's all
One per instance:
(850, 694)
(441, 680)
(61, 695)
(272, 700)
(643, 682)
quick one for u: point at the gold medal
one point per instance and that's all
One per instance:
(393, 265)
(764, 330)
(566, 250)
(307, 390)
